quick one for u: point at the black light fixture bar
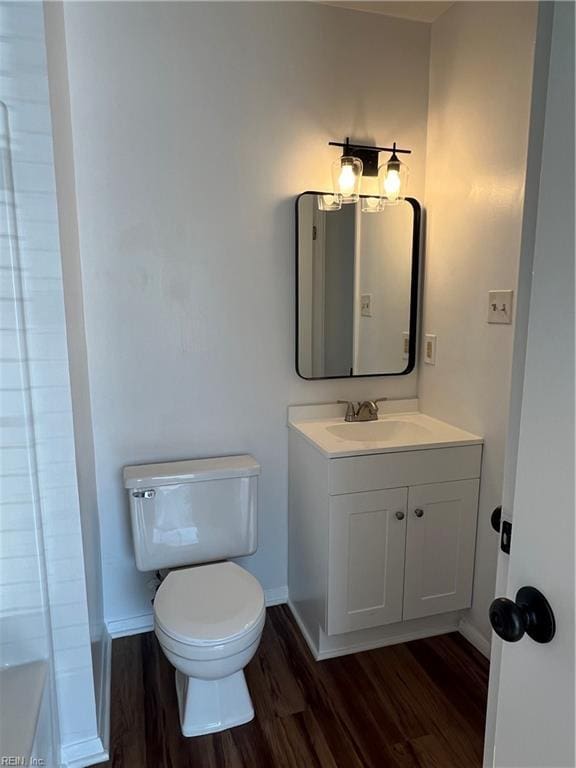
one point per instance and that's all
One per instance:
(350, 145)
(368, 154)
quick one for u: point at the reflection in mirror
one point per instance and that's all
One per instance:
(357, 290)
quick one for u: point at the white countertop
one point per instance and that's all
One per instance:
(395, 430)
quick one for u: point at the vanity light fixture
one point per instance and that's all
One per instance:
(360, 160)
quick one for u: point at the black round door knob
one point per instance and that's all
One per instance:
(496, 519)
(529, 614)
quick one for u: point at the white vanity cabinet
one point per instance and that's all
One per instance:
(400, 554)
(367, 534)
(381, 545)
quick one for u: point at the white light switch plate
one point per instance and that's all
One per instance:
(500, 306)
(366, 305)
(430, 349)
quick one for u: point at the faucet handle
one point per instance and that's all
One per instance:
(350, 410)
(378, 400)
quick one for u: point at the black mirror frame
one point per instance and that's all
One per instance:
(414, 296)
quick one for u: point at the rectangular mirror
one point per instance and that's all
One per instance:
(357, 289)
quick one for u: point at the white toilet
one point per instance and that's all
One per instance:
(209, 618)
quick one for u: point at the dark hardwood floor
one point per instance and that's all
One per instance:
(415, 705)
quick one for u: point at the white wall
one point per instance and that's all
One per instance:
(480, 88)
(338, 237)
(384, 272)
(195, 125)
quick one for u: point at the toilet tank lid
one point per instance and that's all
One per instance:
(194, 470)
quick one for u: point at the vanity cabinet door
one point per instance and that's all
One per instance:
(366, 561)
(440, 544)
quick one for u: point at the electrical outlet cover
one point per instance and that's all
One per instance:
(430, 349)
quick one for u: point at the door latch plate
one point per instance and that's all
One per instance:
(506, 536)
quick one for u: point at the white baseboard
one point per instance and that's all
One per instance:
(91, 751)
(104, 701)
(305, 634)
(83, 753)
(368, 645)
(134, 625)
(276, 596)
(405, 637)
(474, 637)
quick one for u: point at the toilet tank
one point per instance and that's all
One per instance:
(188, 512)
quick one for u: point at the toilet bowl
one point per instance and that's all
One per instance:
(208, 620)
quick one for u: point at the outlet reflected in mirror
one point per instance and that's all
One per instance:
(357, 289)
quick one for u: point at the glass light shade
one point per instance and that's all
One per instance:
(393, 178)
(372, 204)
(346, 176)
(329, 202)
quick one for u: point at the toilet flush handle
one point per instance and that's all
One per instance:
(149, 493)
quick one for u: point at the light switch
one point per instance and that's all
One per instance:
(500, 306)
(366, 305)
(430, 349)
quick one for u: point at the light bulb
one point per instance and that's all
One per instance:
(347, 180)
(393, 177)
(392, 184)
(346, 175)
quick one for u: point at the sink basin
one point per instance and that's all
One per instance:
(381, 431)
(393, 431)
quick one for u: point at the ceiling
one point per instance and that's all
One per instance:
(428, 10)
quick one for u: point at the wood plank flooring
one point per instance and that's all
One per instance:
(415, 705)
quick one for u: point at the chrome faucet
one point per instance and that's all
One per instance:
(367, 410)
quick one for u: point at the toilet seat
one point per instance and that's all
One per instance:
(209, 654)
(214, 607)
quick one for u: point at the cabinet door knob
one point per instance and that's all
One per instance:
(419, 512)
(399, 515)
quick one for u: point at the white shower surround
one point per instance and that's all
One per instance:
(41, 479)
